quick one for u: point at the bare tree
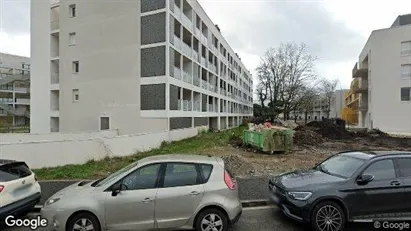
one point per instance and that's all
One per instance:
(282, 72)
(309, 95)
(327, 89)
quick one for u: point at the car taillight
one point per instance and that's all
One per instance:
(229, 181)
(1, 188)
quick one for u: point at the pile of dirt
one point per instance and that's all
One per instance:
(307, 137)
(327, 129)
(237, 166)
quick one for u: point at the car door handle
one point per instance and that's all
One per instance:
(147, 200)
(395, 183)
(193, 193)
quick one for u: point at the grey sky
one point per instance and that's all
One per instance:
(334, 30)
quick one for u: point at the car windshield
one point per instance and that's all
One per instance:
(115, 174)
(341, 166)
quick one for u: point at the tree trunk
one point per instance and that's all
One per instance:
(305, 116)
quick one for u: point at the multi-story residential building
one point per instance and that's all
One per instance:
(137, 66)
(383, 73)
(321, 110)
(351, 106)
(14, 90)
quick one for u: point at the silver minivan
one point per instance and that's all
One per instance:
(159, 192)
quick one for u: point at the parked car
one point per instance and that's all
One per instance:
(350, 186)
(19, 189)
(160, 192)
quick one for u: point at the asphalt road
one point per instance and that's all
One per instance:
(262, 219)
(249, 189)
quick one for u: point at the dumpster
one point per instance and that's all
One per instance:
(270, 140)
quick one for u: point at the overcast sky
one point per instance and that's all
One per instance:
(334, 30)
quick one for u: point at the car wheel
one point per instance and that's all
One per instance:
(328, 216)
(211, 220)
(83, 221)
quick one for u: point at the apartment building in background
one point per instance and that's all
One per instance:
(382, 84)
(138, 66)
(14, 90)
(321, 110)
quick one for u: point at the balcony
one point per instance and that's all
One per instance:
(187, 105)
(210, 108)
(177, 73)
(187, 77)
(177, 12)
(197, 106)
(211, 87)
(187, 22)
(223, 92)
(363, 107)
(229, 94)
(23, 101)
(197, 32)
(54, 25)
(204, 84)
(203, 61)
(55, 79)
(196, 81)
(6, 100)
(177, 42)
(362, 73)
(361, 87)
(195, 55)
(187, 50)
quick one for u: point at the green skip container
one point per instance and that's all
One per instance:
(270, 140)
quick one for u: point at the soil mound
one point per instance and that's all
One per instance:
(237, 166)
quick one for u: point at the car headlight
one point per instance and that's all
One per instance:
(301, 196)
(51, 201)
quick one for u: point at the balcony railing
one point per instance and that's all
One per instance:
(23, 101)
(180, 104)
(177, 42)
(197, 32)
(187, 22)
(211, 87)
(195, 55)
(203, 38)
(187, 50)
(211, 108)
(6, 100)
(204, 84)
(177, 73)
(203, 61)
(187, 77)
(187, 105)
(196, 81)
(54, 79)
(229, 94)
(177, 12)
(197, 106)
(223, 92)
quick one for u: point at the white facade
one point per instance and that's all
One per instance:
(118, 65)
(385, 78)
(14, 90)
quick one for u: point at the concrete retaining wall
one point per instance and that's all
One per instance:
(39, 154)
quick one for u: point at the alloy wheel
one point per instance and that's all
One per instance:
(328, 218)
(83, 224)
(212, 222)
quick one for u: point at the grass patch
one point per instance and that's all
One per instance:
(94, 169)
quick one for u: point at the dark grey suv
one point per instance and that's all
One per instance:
(349, 186)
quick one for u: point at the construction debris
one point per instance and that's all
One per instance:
(327, 129)
(307, 137)
(237, 165)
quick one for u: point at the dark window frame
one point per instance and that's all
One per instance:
(196, 165)
(405, 98)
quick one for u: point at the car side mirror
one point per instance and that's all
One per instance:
(116, 189)
(365, 179)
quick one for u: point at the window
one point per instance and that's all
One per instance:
(72, 10)
(341, 165)
(405, 167)
(76, 96)
(206, 170)
(180, 174)
(406, 48)
(381, 170)
(405, 93)
(14, 171)
(143, 178)
(72, 39)
(76, 66)
(406, 71)
(104, 123)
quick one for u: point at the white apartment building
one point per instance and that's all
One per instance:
(321, 110)
(138, 66)
(14, 90)
(384, 73)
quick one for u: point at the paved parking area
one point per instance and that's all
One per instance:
(267, 218)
